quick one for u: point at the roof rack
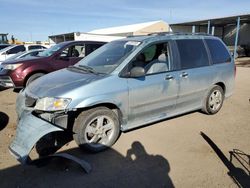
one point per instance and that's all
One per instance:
(176, 33)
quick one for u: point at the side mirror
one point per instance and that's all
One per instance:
(137, 72)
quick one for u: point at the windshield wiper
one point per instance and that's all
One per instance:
(84, 68)
(87, 68)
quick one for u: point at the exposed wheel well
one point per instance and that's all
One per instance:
(222, 85)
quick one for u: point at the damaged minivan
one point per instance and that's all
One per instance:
(123, 85)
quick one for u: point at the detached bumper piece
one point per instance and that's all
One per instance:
(6, 81)
(29, 130)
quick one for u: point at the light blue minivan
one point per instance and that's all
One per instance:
(123, 85)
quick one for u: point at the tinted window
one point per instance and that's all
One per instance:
(92, 47)
(16, 49)
(3, 46)
(192, 53)
(34, 47)
(219, 53)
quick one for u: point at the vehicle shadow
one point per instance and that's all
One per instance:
(109, 169)
(2, 88)
(4, 120)
(240, 175)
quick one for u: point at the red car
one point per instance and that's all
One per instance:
(19, 73)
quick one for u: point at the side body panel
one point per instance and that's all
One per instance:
(151, 98)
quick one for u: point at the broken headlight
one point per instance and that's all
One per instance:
(52, 104)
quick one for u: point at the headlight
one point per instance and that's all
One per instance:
(52, 104)
(11, 66)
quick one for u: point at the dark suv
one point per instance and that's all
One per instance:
(19, 73)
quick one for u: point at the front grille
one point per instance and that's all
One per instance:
(6, 81)
(30, 101)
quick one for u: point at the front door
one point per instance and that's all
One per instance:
(153, 96)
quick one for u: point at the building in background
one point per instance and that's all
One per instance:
(54, 39)
(134, 29)
(113, 33)
(233, 30)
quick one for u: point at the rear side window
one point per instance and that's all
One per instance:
(16, 49)
(192, 53)
(218, 51)
(34, 47)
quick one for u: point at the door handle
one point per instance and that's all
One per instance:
(184, 75)
(169, 77)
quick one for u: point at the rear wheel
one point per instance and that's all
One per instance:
(33, 77)
(214, 100)
(96, 129)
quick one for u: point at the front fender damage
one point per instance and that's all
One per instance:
(29, 130)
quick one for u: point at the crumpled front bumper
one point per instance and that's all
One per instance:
(29, 130)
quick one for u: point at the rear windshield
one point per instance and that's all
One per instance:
(218, 51)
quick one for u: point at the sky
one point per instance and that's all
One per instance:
(35, 20)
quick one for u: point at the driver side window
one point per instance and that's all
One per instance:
(154, 59)
(73, 51)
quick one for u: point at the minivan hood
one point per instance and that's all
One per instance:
(59, 82)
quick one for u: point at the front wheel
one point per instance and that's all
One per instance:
(214, 100)
(96, 129)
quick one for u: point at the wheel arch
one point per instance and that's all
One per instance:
(108, 105)
(32, 73)
(222, 85)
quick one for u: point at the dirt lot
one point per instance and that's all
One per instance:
(166, 154)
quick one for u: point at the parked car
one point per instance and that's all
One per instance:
(25, 54)
(14, 49)
(21, 72)
(2, 46)
(123, 85)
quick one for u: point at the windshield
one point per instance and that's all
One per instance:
(50, 51)
(108, 57)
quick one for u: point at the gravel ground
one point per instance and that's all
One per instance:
(171, 153)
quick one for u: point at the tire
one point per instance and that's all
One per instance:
(33, 77)
(96, 129)
(214, 100)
